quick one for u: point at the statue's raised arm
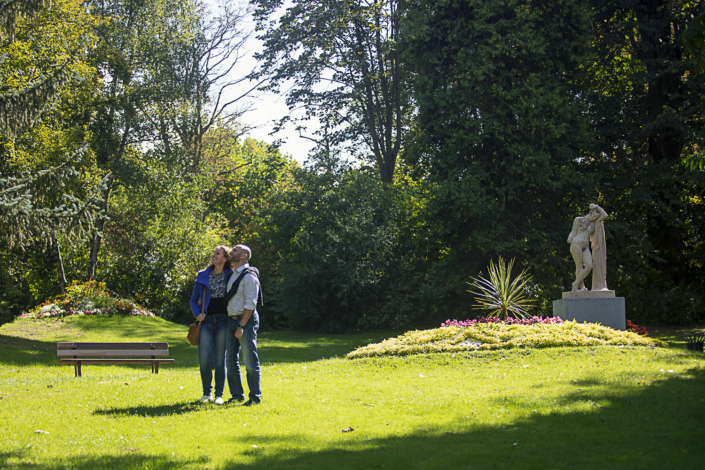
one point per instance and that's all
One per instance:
(597, 216)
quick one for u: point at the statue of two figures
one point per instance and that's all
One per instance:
(587, 229)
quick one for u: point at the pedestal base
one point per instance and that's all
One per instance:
(605, 311)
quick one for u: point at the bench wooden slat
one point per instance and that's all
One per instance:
(115, 361)
(109, 353)
(112, 345)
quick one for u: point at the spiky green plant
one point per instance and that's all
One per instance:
(500, 294)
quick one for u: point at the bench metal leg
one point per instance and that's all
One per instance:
(156, 367)
(78, 369)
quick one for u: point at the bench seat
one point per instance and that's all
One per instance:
(112, 353)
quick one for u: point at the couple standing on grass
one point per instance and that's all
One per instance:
(225, 300)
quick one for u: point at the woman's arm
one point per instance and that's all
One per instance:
(602, 214)
(195, 297)
(574, 231)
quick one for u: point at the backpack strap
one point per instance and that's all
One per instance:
(236, 285)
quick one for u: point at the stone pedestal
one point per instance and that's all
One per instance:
(593, 307)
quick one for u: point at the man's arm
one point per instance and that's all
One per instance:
(250, 288)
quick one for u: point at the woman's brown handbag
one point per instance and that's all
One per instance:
(194, 331)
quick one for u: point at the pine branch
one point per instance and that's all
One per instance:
(11, 9)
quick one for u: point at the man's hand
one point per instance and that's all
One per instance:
(201, 317)
(239, 332)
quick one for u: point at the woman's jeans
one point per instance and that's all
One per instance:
(212, 340)
(248, 344)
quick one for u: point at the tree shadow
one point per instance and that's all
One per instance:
(654, 426)
(275, 348)
(129, 458)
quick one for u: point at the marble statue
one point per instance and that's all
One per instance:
(587, 229)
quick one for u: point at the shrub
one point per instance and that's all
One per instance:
(502, 335)
(640, 330)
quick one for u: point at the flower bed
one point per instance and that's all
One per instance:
(88, 298)
(508, 321)
(502, 335)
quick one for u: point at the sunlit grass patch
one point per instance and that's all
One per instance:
(607, 407)
(490, 336)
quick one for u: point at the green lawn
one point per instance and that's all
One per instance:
(571, 408)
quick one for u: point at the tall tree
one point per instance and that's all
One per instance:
(161, 62)
(44, 194)
(501, 131)
(645, 91)
(344, 61)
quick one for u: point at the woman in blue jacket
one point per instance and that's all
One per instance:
(210, 308)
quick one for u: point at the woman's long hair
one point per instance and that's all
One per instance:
(226, 253)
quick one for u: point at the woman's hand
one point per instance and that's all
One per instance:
(201, 317)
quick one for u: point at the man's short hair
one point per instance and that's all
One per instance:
(247, 250)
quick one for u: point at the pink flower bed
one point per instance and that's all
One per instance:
(507, 321)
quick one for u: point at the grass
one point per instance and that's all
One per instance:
(596, 407)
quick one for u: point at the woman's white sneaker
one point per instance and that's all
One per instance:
(219, 401)
(204, 399)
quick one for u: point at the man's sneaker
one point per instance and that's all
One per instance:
(219, 401)
(235, 401)
(250, 403)
(205, 399)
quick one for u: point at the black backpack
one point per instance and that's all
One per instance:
(233, 289)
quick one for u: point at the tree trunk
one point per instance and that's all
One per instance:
(98, 235)
(60, 267)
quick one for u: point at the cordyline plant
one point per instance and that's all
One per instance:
(501, 295)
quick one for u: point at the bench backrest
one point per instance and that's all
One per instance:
(111, 349)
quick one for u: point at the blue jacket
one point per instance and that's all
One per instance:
(200, 286)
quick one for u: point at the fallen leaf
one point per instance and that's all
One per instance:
(449, 432)
(350, 429)
(50, 386)
(515, 444)
(255, 447)
(526, 366)
(420, 375)
(369, 404)
(39, 431)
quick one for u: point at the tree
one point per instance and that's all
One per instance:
(645, 93)
(163, 61)
(344, 60)
(45, 194)
(500, 134)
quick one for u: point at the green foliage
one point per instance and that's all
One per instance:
(492, 336)
(500, 134)
(344, 261)
(500, 294)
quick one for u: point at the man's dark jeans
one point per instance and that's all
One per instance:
(248, 344)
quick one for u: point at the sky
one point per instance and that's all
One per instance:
(268, 107)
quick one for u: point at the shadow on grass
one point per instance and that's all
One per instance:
(274, 347)
(164, 410)
(655, 426)
(129, 459)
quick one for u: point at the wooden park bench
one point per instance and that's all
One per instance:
(112, 353)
